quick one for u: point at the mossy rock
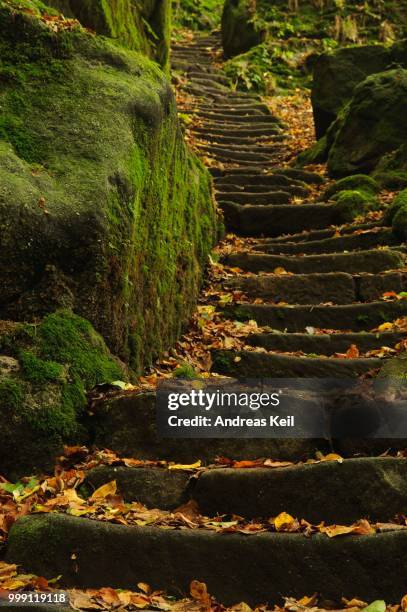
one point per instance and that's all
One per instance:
(102, 207)
(372, 124)
(351, 203)
(391, 171)
(143, 26)
(397, 215)
(239, 30)
(317, 154)
(45, 371)
(335, 76)
(356, 182)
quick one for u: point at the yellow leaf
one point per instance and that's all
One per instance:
(191, 466)
(280, 270)
(308, 601)
(385, 326)
(283, 521)
(102, 492)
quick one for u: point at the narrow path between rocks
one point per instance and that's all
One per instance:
(290, 263)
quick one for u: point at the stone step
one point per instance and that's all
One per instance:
(238, 119)
(313, 178)
(249, 147)
(217, 78)
(316, 288)
(243, 140)
(323, 344)
(228, 155)
(356, 317)
(228, 108)
(348, 242)
(276, 220)
(227, 188)
(256, 179)
(250, 364)
(264, 492)
(127, 425)
(260, 199)
(152, 487)
(235, 567)
(320, 234)
(375, 260)
(270, 130)
(269, 198)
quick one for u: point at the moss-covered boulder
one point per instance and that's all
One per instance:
(391, 171)
(240, 32)
(143, 26)
(335, 76)
(396, 215)
(356, 182)
(351, 203)
(102, 207)
(45, 371)
(372, 124)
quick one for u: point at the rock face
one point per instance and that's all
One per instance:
(239, 32)
(143, 26)
(102, 207)
(370, 126)
(335, 76)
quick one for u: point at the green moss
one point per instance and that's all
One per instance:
(356, 182)
(352, 203)
(11, 395)
(39, 371)
(71, 340)
(93, 131)
(316, 154)
(185, 371)
(399, 202)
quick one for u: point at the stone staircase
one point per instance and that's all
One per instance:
(335, 279)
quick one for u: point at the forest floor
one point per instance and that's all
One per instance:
(288, 290)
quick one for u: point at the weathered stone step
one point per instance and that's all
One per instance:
(372, 261)
(209, 81)
(320, 234)
(249, 364)
(337, 244)
(261, 199)
(257, 178)
(276, 220)
(328, 491)
(270, 130)
(262, 190)
(323, 344)
(238, 119)
(229, 108)
(152, 487)
(302, 175)
(341, 317)
(212, 76)
(235, 567)
(265, 492)
(229, 155)
(220, 149)
(320, 287)
(127, 425)
(243, 140)
(250, 147)
(316, 288)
